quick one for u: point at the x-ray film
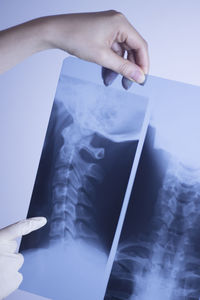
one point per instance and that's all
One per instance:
(93, 137)
(158, 255)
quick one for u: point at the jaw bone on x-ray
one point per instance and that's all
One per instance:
(84, 170)
(158, 255)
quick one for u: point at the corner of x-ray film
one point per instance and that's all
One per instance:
(88, 153)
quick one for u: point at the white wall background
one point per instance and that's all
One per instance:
(27, 91)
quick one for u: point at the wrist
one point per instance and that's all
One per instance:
(56, 32)
(48, 32)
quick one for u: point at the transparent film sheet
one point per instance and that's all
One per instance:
(158, 255)
(87, 157)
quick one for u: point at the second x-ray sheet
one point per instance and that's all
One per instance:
(88, 154)
(158, 255)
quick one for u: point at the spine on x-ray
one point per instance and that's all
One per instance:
(178, 237)
(166, 262)
(72, 212)
(131, 260)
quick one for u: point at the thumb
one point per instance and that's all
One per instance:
(22, 228)
(122, 66)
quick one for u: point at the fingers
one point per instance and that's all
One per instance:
(142, 59)
(126, 83)
(136, 66)
(11, 262)
(122, 66)
(8, 246)
(15, 279)
(9, 283)
(138, 45)
(108, 75)
(21, 228)
(10, 278)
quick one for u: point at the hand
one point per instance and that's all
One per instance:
(103, 38)
(10, 262)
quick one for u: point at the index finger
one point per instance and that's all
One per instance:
(139, 46)
(24, 227)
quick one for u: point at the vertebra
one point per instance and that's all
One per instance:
(72, 189)
(164, 264)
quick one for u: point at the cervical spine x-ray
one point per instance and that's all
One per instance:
(158, 255)
(97, 157)
(87, 157)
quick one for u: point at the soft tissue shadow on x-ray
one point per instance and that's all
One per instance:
(82, 177)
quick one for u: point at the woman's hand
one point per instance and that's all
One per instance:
(11, 262)
(103, 38)
(100, 37)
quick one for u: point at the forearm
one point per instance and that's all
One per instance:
(21, 41)
(101, 37)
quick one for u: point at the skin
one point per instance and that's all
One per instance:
(101, 37)
(105, 38)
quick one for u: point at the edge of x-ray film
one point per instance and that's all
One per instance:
(23, 295)
(122, 216)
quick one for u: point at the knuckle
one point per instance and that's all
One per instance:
(20, 259)
(112, 11)
(19, 278)
(102, 57)
(13, 245)
(119, 15)
(16, 280)
(124, 69)
(6, 260)
(145, 43)
(115, 15)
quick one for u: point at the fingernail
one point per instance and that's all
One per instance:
(146, 77)
(126, 83)
(38, 221)
(107, 82)
(109, 76)
(138, 76)
(33, 224)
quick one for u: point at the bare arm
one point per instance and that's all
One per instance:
(101, 37)
(19, 42)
